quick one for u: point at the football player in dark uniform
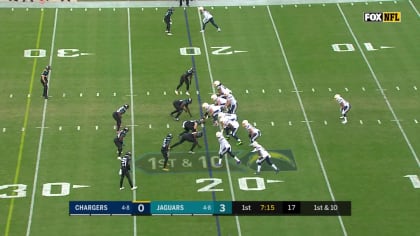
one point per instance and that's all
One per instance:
(185, 78)
(180, 106)
(117, 115)
(168, 20)
(186, 1)
(190, 137)
(125, 170)
(119, 140)
(191, 125)
(165, 151)
(44, 81)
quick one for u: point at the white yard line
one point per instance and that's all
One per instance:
(238, 224)
(381, 90)
(414, 8)
(41, 136)
(130, 60)
(308, 124)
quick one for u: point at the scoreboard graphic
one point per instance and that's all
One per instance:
(222, 208)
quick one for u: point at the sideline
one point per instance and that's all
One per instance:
(195, 3)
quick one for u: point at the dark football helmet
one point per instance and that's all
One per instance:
(126, 106)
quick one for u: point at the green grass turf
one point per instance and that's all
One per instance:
(286, 48)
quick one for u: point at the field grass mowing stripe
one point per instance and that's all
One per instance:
(308, 125)
(41, 136)
(25, 124)
(379, 85)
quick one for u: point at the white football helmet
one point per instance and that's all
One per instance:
(213, 97)
(219, 134)
(337, 96)
(200, 8)
(205, 106)
(245, 123)
(216, 83)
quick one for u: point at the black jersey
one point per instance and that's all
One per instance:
(125, 163)
(166, 142)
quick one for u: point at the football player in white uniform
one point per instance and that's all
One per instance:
(207, 17)
(225, 148)
(230, 127)
(263, 155)
(212, 110)
(221, 89)
(344, 107)
(253, 133)
(218, 100)
(231, 103)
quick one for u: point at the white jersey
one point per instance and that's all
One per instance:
(224, 145)
(232, 117)
(206, 16)
(223, 90)
(261, 151)
(251, 129)
(220, 101)
(226, 123)
(214, 109)
(231, 99)
(342, 102)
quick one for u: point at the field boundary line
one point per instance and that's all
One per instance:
(41, 135)
(381, 90)
(308, 125)
(25, 124)
(414, 8)
(124, 4)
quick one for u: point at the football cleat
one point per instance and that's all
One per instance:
(165, 169)
(218, 165)
(126, 106)
(187, 93)
(121, 188)
(176, 92)
(134, 188)
(191, 152)
(238, 162)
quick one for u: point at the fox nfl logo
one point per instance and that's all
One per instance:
(382, 17)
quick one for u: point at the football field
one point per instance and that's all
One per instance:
(283, 60)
